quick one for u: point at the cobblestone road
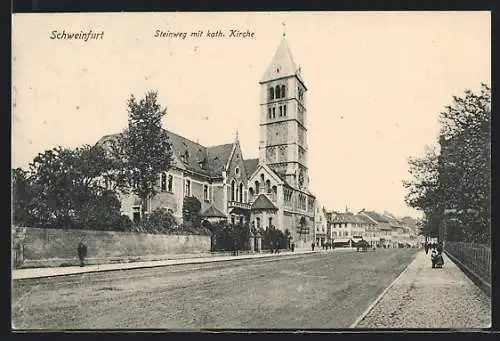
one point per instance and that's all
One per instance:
(424, 297)
(324, 290)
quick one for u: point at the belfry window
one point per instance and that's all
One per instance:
(284, 110)
(281, 111)
(283, 91)
(269, 114)
(274, 112)
(277, 91)
(271, 93)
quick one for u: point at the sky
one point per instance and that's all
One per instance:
(377, 82)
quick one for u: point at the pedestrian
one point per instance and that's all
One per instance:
(312, 246)
(293, 247)
(426, 248)
(82, 252)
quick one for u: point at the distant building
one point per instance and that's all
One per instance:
(320, 223)
(348, 228)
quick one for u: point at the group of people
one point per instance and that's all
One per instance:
(325, 246)
(433, 247)
(437, 259)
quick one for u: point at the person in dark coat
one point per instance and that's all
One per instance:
(426, 248)
(439, 247)
(82, 253)
(313, 245)
(293, 247)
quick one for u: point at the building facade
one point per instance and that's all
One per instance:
(271, 191)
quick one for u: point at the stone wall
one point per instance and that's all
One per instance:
(55, 247)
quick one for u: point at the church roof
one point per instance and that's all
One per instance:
(218, 157)
(282, 64)
(251, 165)
(208, 161)
(263, 203)
(212, 212)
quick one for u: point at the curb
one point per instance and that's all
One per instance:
(379, 297)
(481, 283)
(164, 265)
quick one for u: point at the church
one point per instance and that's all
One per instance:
(269, 191)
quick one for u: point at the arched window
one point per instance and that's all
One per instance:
(250, 191)
(163, 181)
(283, 91)
(170, 183)
(241, 192)
(277, 91)
(256, 187)
(268, 186)
(232, 190)
(271, 93)
(269, 113)
(205, 192)
(275, 190)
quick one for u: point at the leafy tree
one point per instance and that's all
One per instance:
(21, 197)
(159, 220)
(424, 190)
(145, 147)
(303, 229)
(459, 178)
(191, 208)
(66, 189)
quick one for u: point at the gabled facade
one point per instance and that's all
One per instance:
(215, 175)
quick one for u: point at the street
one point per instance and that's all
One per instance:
(323, 290)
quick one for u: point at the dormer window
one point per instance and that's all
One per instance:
(185, 156)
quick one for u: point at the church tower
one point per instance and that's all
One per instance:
(283, 119)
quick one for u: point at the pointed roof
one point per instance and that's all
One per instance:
(282, 64)
(263, 203)
(212, 212)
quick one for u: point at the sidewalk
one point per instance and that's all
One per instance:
(72, 270)
(423, 297)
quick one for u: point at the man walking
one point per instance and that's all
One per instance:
(82, 252)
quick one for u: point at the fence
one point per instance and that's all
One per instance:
(476, 257)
